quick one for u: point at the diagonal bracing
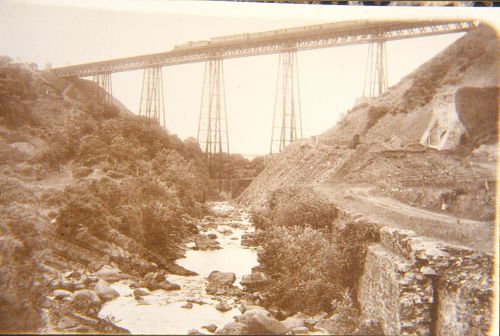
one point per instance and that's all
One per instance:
(212, 123)
(152, 103)
(375, 83)
(104, 81)
(287, 118)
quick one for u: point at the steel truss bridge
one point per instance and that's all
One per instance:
(287, 125)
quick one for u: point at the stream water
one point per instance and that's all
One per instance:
(162, 312)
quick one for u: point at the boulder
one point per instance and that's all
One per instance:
(187, 305)
(309, 323)
(221, 283)
(86, 298)
(60, 294)
(248, 239)
(226, 232)
(259, 322)
(326, 325)
(233, 328)
(254, 280)
(291, 323)
(165, 285)
(194, 332)
(223, 306)
(109, 273)
(270, 324)
(244, 306)
(211, 328)
(197, 301)
(204, 243)
(66, 322)
(300, 331)
(104, 290)
(141, 292)
(212, 236)
(67, 284)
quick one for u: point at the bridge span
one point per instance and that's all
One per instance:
(287, 124)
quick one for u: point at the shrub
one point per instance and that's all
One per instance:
(374, 114)
(300, 206)
(302, 265)
(351, 241)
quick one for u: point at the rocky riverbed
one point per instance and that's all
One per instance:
(218, 293)
(209, 299)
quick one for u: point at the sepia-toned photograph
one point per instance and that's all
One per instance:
(249, 167)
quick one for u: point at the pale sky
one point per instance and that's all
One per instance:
(71, 32)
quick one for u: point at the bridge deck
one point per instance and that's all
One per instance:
(274, 41)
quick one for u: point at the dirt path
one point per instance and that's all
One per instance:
(460, 231)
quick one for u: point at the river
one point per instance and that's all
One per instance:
(162, 312)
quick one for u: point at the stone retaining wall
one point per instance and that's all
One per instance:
(412, 285)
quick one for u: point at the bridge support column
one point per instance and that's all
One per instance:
(212, 123)
(104, 81)
(375, 82)
(287, 118)
(152, 103)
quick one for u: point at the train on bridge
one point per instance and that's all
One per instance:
(274, 34)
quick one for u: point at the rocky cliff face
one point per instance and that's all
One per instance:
(412, 285)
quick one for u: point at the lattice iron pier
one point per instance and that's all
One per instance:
(152, 103)
(375, 83)
(287, 118)
(104, 81)
(212, 123)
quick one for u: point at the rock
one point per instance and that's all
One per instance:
(139, 284)
(166, 286)
(254, 280)
(326, 325)
(270, 324)
(74, 274)
(301, 316)
(244, 306)
(204, 243)
(211, 328)
(225, 232)
(109, 273)
(259, 321)
(212, 236)
(221, 283)
(104, 290)
(309, 323)
(300, 331)
(258, 268)
(194, 332)
(248, 239)
(66, 323)
(86, 298)
(173, 268)
(141, 292)
(60, 294)
(67, 284)
(197, 301)
(187, 305)
(233, 328)
(291, 323)
(223, 306)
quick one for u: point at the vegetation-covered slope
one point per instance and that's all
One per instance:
(84, 185)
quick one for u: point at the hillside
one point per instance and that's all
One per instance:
(89, 191)
(377, 146)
